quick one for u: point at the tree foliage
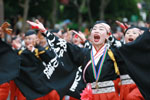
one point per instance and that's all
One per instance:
(115, 9)
(122, 8)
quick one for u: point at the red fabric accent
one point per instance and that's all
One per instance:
(126, 26)
(109, 33)
(98, 49)
(34, 27)
(106, 96)
(53, 95)
(130, 92)
(63, 98)
(119, 39)
(71, 98)
(123, 27)
(75, 36)
(13, 89)
(109, 96)
(87, 93)
(15, 93)
(20, 95)
(125, 90)
(135, 95)
(4, 91)
(117, 84)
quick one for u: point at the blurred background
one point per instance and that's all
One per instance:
(73, 14)
(65, 15)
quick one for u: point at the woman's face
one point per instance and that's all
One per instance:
(42, 42)
(98, 34)
(31, 39)
(132, 34)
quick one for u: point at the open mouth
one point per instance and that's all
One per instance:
(131, 39)
(96, 38)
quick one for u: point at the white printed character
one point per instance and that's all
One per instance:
(77, 79)
(50, 67)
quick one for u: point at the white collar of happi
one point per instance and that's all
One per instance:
(97, 53)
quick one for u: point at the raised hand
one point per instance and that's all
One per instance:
(124, 27)
(31, 47)
(127, 25)
(37, 25)
(80, 34)
(5, 28)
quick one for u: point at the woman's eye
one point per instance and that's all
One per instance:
(101, 29)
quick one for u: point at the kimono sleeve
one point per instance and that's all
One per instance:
(64, 49)
(136, 56)
(28, 80)
(9, 63)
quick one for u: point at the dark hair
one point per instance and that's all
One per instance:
(13, 38)
(143, 28)
(140, 28)
(30, 32)
(99, 21)
(130, 28)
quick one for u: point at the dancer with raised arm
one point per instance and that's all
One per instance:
(97, 72)
(87, 58)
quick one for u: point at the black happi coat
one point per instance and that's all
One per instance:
(30, 71)
(9, 63)
(78, 85)
(134, 56)
(34, 83)
(70, 57)
(80, 56)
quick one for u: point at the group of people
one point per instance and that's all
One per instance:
(48, 66)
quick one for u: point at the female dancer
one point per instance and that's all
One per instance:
(102, 62)
(99, 69)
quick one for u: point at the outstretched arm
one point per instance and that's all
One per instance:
(51, 38)
(124, 26)
(37, 25)
(60, 46)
